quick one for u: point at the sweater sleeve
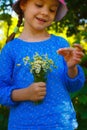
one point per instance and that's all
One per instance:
(76, 83)
(6, 81)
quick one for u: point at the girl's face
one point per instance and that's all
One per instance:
(39, 14)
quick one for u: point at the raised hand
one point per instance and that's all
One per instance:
(72, 55)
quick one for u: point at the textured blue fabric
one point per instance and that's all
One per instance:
(56, 112)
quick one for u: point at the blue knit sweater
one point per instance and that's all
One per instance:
(56, 112)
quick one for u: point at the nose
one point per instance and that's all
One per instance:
(45, 11)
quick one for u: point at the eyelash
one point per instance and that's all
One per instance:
(40, 6)
(52, 10)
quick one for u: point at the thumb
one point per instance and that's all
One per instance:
(66, 52)
(63, 51)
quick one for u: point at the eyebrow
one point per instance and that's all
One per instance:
(56, 5)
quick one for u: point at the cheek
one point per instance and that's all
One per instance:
(30, 12)
(52, 17)
(27, 13)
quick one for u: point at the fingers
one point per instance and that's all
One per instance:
(68, 49)
(77, 60)
(79, 54)
(40, 96)
(37, 91)
(40, 90)
(78, 47)
(72, 55)
(64, 51)
(68, 52)
(43, 93)
(79, 50)
(41, 84)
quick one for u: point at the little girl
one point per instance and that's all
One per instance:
(18, 90)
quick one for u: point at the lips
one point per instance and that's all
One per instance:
(41, 20)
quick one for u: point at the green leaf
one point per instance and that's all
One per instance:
(1, 117)
(83, 99)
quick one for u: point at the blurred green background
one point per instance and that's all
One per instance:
(73, 27)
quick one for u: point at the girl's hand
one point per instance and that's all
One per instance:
(36, 91)
(72, 55)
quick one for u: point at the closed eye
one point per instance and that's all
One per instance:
(39, 5)
(53, 11)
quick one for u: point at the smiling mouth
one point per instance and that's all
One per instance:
(41, 20)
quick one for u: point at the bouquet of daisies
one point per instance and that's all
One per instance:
(39, 66)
